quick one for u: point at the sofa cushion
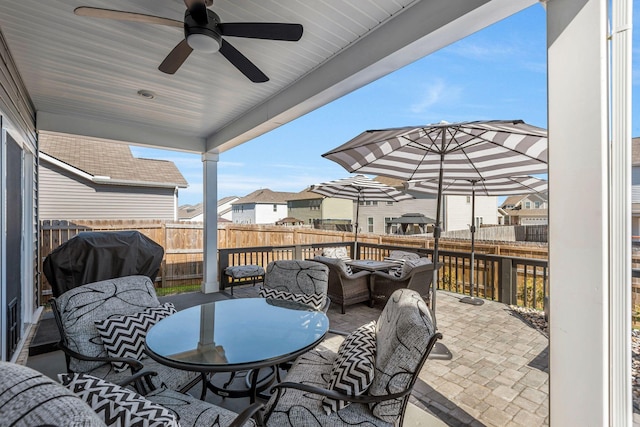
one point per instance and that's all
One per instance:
(403, 331)
(403, 255)
(297, 408)
(336, 252)
(353, 368)
(193, 412)
(410, 264)
(123, 336)
(29, 398)
(315, 301)
(118, 406)
(297, 280)
(335, 261)
(79, 309)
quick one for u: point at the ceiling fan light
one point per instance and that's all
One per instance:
(203, 43)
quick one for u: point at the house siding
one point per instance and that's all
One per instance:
(302, 210)
(17, 118)
(63, 196)
(382, 210)
(458, 211)
(333, 208)
(266, 215)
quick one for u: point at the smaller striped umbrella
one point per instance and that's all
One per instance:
(359, 188)
(505, 186)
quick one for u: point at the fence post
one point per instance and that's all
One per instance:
(297, 252)
(163, 229)
(507, 282)
(223, 263)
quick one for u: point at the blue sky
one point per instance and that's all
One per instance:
(497, 73)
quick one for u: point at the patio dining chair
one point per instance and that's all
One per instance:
(102, 329)
(369, 379)
(302, 281)
(29, 398)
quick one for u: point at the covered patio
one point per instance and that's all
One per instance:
(69, 74)
(493, 379)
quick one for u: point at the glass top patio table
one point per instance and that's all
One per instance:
(236, 334)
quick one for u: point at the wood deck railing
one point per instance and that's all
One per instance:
(510, 280)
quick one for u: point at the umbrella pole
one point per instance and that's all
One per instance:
(355, 238)
(439, 351)
(472, 299)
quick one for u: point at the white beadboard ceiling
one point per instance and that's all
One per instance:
(82, 74)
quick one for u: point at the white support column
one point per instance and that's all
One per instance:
(620, 212)
(578, 212)
(210, 257)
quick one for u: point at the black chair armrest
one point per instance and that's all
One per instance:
(248, 412)
(336, 394)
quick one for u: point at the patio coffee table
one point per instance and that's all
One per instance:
(243, 334)
(370, 265)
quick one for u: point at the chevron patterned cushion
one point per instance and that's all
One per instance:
(116, 405)
(315, 301)
(353, 369)
(29, 398)
(123, 336)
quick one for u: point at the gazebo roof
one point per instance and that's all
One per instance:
(412, 218)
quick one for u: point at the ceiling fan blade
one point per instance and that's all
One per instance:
(95, 12)
(198, 10)
(243, 64)
(262, 30)
(176, 58)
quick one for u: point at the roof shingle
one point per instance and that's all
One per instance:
(102, 158)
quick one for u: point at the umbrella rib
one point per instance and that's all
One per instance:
(426, 149)
(479, 139)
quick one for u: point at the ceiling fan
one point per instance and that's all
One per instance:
(203, 32)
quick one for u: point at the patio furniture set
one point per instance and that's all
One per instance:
(129, 357)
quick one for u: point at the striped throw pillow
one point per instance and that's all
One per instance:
(353, 368)
(123, 336)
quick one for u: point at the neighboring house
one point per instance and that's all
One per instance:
(192, 213)
(529, 209)
(261, 207)
(195, 213)
(83, 178)
(323, 212)
(225, 208)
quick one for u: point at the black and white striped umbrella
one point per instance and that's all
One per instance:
(359, 188)
(505, 186)
(471, 150)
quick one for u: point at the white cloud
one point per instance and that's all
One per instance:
(436, 93)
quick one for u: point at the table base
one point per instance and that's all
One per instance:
(250, 384)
